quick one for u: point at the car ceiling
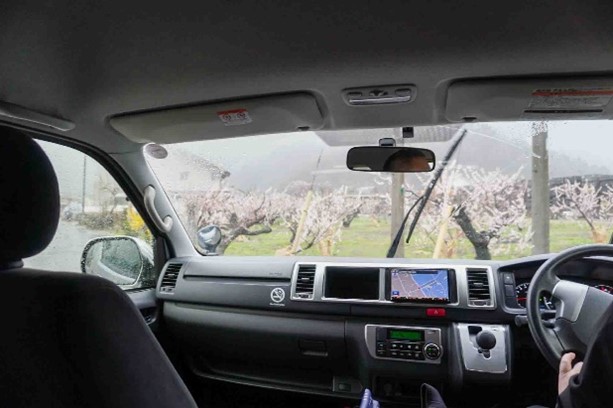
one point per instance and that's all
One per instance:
(86, 61)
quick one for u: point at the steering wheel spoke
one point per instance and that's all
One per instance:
(548, 282)
(569, 298)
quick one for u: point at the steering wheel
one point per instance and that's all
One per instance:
(579, 307)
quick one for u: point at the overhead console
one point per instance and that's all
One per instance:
(394, 284)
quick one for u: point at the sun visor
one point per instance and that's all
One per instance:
(530, 99)
(263, 115)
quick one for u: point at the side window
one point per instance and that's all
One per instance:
(100, 232)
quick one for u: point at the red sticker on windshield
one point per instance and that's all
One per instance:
(234, 117)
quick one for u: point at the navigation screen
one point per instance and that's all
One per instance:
(424, 285)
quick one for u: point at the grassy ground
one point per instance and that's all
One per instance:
(369, 238)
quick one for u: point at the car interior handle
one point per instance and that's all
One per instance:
(164, 225)
(379, 100)
(13, 111)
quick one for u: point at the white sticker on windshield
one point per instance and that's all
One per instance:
(234, 117)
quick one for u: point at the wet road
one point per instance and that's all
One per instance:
(64, 252)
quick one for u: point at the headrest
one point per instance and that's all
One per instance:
(29, 198)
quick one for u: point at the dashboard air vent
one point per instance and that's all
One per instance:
(169, 280)
(478, 287)
(305, 282)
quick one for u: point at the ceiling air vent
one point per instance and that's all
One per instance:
(305, 282)
(169, 280)
(479, 293)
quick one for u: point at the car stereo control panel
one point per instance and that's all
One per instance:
(404, 343)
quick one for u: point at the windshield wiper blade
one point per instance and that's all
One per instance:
(423, 199)
(432, 184)
(392, 250)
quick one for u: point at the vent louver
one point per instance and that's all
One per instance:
(478, 287)
(305, 282)
(169, 280)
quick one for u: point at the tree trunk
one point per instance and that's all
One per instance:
(440, 245)
(292, 236)
(479, 240)
(350, 217)
(326, 247)
(443, 228)
(223, 245)
(299, 229)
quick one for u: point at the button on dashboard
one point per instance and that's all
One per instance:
(436, 312)
(432, 351)
(508, 278)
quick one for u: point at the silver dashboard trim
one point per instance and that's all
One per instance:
(492, 282)
(460, 277)
(473, 360)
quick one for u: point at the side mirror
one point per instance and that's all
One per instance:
(125, 261)
(209, 238)
(390, 159)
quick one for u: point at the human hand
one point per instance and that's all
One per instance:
(567, 371)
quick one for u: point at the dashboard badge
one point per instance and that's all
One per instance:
(277, 295)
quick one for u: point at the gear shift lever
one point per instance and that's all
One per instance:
(486, 341)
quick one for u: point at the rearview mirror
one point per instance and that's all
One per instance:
(390, 159)
(125, 261)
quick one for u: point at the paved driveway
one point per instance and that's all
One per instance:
(64, 253)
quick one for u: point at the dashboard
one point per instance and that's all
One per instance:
(335, 326)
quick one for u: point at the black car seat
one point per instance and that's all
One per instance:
(66, 339)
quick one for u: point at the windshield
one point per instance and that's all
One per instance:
(510, 190)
